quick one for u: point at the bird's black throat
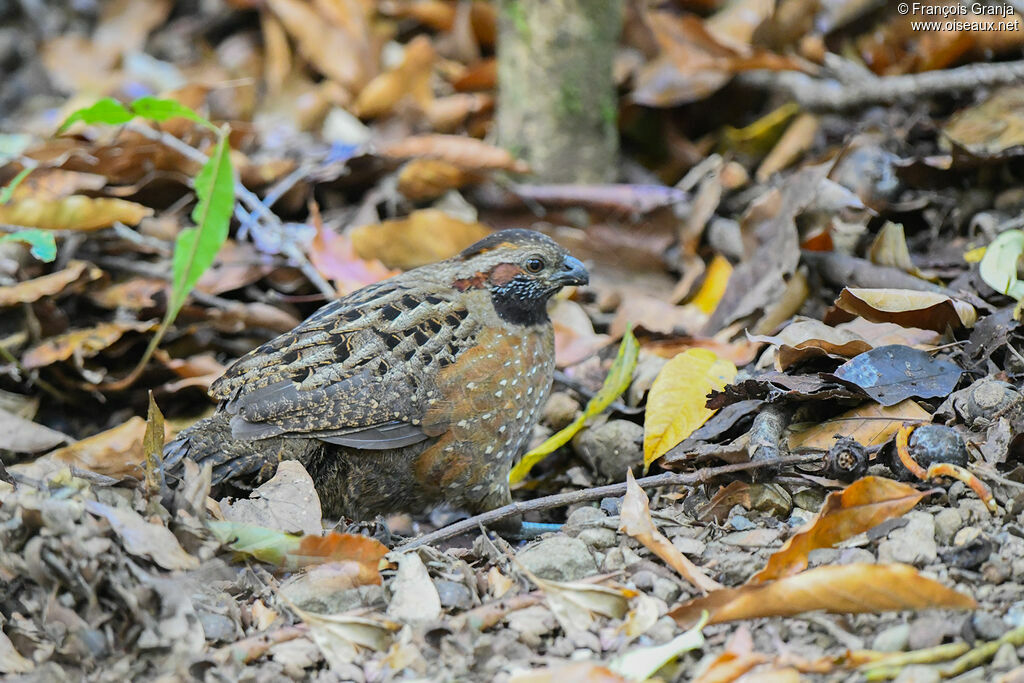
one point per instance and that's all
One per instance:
(521, 301)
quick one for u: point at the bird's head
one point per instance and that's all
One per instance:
(521, 269)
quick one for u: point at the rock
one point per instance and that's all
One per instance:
(611, 448)
(583, 517)
(665, 590)
(1006, 658)
(892, 639)
(611, 506)
(997, 570)
(454, 594)
(823, 556)
(414, 599)
(618, 559)
(740, 523)
(560, 410)
(973, 510)
(531, 623)
(598, 537)
(559, 558)
(966, 536)
(931, 629)
(855, 556)
(913, 543)
(809, 499)
(755, 538)
(947, 523)
(689, 546)
(643, 579)
(988, 626)
(918, 673)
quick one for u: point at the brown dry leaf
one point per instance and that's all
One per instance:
(287, 502)
(480, 76)
(76, 273)
(76, 212)
(636, 521)
(445, 114)
(797, 139)
(411, 78)
(575, 603)
(655, 315)
(805, 339)
(341, 637)
(890, 249)
(334, 257)
(424, 179)
(422, 237)
(436, 14)
(862, 505)
(197, 371)
(144, 539)
(135, 294)
(277, 62)
(49, 184)
(676, 402)
(841, 589)
(333, 35)
(22, 435)
(238, 264)
(468, 154)
(82, 343)
(908, 308)
(870, 424)
(117, 453)
(992, 127)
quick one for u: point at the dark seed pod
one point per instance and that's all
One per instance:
(930, 444)
(846, 460)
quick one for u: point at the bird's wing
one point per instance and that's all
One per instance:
(359, 372)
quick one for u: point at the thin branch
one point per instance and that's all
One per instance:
(596, 493)
(832, 95)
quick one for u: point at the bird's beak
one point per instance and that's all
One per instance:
(573, 272)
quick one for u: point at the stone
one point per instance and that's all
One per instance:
(771, 499)
(913, 543)
(643, 579)
(689, 546)
(665, 590)
(531, 623)
(584, 516)
(598, 537)
(560, 410)
(454, 594)
(947, 522)
(611, 506)
(611, 448)
(988, 626)
(559, 558)
(414, 599)
(741, 523)
(892, 639)
(855, 556)
(996, 570)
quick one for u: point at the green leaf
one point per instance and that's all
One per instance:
(617, 381)
(196, 248)
(998, 267)
(8, 190)
(41, 244)
(107, 110)
(157, 109)
(292, 551)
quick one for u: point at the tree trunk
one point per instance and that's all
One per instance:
(557, 105)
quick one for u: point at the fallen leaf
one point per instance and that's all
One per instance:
(335, 258)
(862, 505)
(26, 436)
(411, 78)
(469, 154)
(425, 179)
(839, 589)
(894, 373)
(641, 663)
(676, 402)
(575, 339)
(286, 502)
(116, 452)
(574, 603)
(340, 637)
(908, 308)
(144, 539)
(76, 273)
(414, 598)
(84, 343)
(636, 521)
(76, 212)
(583, 672)
(290, 551)
(423, 237)
(869, 424)
(716, 279)
(998, 268)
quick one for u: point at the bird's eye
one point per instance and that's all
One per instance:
(535, 264)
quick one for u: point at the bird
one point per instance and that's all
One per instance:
(409, 393)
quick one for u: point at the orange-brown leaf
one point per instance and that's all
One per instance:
(468, 154)
(864, 504)
(636, 521)
(424, 179)
(77, 272)
(83, 343)
(909, 308)
(839, 589)
(73, 213)
(422, 237)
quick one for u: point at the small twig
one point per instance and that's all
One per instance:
(596, 493)
(831, 95)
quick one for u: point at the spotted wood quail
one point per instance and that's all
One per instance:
(410, 392)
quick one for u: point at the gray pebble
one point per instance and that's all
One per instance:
(454, 594)
(947, 523)
(892, 639)
(598, 537)
(988, 626)
(559, 558)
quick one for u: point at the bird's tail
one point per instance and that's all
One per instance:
(210, 441)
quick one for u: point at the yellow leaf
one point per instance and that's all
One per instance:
(675, 405)
(715, 281)
(73, 213)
